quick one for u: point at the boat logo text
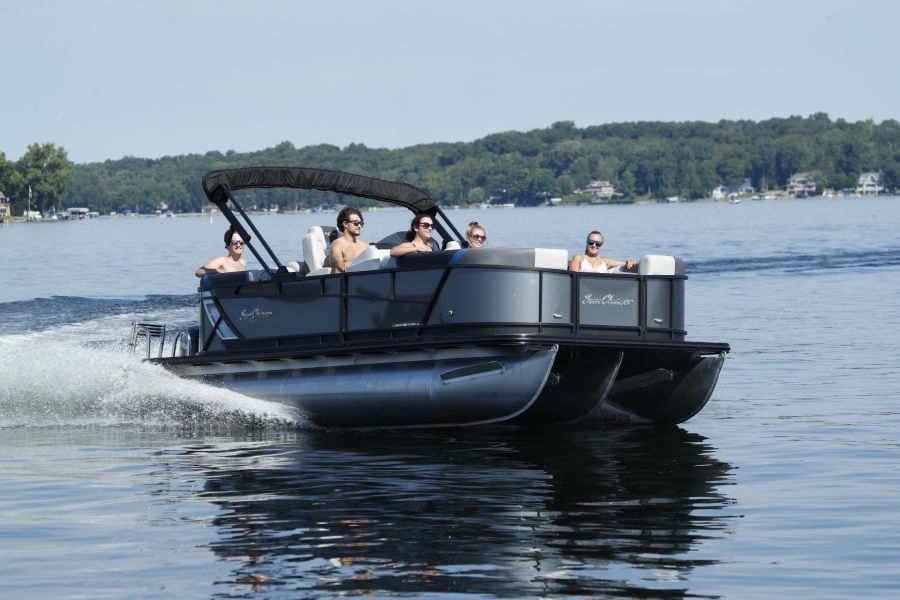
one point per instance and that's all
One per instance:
(256, 313)
(606, 300)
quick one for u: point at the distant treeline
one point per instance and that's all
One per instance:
(645, 159)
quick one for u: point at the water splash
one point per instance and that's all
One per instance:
(53, 379)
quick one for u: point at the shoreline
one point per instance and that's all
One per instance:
(638, 201)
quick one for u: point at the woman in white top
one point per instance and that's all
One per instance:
(590, 261)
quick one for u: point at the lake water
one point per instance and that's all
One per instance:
(118, 480)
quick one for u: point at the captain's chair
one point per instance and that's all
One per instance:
(314, 251)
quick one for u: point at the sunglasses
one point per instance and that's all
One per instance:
(478, 238)
(426, 225)
(355, 223)
(237, 242)
(597, 243)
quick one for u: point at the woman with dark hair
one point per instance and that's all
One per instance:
(232, 263)
(418, 238)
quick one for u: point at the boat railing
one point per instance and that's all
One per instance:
(148, 331)
(430, 297)
(184, 339)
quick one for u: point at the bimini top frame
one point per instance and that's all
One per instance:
(219, 185)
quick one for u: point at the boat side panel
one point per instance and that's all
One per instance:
(659, 307)
(488, 296)
(385, 301)
(608, 301)
(678, 323)
(556, 298)
(260, 317)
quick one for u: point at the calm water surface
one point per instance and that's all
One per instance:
(119, 480)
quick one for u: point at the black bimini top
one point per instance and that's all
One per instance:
(216, 182)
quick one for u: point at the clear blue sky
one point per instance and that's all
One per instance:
(107, 79)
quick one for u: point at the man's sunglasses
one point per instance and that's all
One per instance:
(355, 223)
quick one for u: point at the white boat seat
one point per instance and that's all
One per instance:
(656, 264)
(314, 249)
(551, 258)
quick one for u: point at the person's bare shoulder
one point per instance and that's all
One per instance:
(216, 263)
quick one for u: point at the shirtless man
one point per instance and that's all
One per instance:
(346, 248)
(227, 264)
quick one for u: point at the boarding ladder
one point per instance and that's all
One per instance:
(148, 331)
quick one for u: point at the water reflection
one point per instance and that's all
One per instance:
(618, 511)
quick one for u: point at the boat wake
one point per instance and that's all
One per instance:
(83, 374)
(74, 314)
(798, 263)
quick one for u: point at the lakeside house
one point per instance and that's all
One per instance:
(5, 208)
(801, 185)
(733, 190)
(600, 191)
(869, 184)
(77, 213)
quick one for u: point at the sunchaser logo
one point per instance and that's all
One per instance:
(256, 313)
(607, 300)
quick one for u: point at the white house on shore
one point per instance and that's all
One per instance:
(869, 184)
(732, 190)
(5, 208)
(801, 185)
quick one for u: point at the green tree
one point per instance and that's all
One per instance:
(627, 182)
(46, 169)
(5, 169)
(687, 159)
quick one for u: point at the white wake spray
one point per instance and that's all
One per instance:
(61, 377)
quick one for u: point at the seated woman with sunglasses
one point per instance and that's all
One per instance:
(418, 238)
(590, 261)
(476, 236)
(227, 264)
